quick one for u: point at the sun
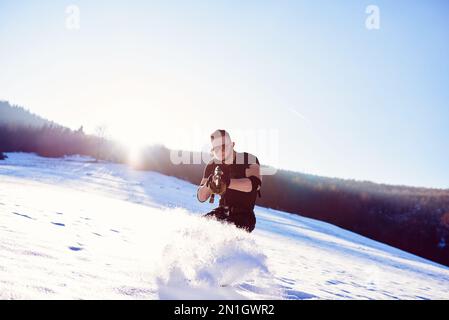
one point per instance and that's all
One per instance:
(135, 156)
(134, 145)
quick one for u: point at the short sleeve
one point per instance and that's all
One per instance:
(252, 159)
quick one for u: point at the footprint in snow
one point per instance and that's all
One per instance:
(298, 295)
(58, 224)
(287, 280)
(333, 282)
(23, 215)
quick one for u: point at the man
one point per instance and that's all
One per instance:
(239, 179)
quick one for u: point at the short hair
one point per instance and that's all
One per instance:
(223, 136)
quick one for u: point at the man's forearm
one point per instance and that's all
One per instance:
(203, 193)
(242, 184)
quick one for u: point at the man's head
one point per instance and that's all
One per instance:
(222, 145)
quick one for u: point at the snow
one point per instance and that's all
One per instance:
(74, 228)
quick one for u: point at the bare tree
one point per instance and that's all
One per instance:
(101, 133)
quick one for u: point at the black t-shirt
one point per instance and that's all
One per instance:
(237, 170)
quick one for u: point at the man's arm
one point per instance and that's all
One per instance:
(247, 184)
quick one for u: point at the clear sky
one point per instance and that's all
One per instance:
(342, 100)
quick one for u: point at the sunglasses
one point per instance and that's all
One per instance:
(219, 148)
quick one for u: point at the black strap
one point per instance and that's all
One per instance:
(223, 142)
(246, 162)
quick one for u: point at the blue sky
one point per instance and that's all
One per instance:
(345, 101)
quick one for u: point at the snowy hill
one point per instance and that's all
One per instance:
(75, 229)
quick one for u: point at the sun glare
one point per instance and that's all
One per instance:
(134, 146)
(135, 156)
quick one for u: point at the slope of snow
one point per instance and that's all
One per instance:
(75, 229)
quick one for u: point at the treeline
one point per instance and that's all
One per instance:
(57, 141)
(413, 219)
(19, 116)
(23, 131)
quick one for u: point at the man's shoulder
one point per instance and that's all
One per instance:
(252, 159)
(211, 162)
(246, 158)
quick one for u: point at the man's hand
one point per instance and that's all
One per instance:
(203, 193)
(210, 183)
(225, 176)
(207, 187)
(219, 181)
